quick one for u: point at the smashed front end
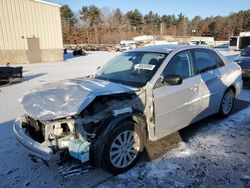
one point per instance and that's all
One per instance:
(46, 140)
(74, 135)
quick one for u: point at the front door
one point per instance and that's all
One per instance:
(34, 52)
(177, 105)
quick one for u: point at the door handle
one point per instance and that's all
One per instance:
(219, 76)
(194, 88)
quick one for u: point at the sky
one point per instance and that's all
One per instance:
(189, 8)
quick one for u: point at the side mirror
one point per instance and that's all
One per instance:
(98, 68)
(171, 79)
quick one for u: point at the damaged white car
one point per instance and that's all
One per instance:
(143, 94)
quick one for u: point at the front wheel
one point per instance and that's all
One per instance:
(123, 147)
(227, 103)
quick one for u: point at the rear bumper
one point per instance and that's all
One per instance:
(28, 143)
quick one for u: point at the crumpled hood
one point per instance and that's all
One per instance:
(67, 98)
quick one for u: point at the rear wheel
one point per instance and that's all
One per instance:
(227, 103)
(122, 148)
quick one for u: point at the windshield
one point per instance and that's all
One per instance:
(131, 68)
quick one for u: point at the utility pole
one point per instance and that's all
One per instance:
(161, 30)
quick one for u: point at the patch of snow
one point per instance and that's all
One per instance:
(244, 95)
(218, 154)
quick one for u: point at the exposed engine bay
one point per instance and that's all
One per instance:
(75, 135)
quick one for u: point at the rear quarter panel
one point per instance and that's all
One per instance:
(231, 75)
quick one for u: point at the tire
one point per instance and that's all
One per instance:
(74, 53)
(227, 103)
(123, 146)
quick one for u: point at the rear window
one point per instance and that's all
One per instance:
(205, 60)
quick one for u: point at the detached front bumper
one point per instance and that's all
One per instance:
(31, 145)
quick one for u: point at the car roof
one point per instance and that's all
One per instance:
(165, 48)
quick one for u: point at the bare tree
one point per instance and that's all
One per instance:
(94, 25)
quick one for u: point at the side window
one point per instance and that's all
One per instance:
(218, 60)
(205, 61)
(181, 64)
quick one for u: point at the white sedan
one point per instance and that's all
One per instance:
(140, 95)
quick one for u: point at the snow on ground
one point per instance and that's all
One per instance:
(214, 153)
(16, 168)
(41, 73)
(244, 95)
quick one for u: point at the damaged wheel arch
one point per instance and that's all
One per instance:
(101, 146)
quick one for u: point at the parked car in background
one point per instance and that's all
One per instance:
(141, 95)
(244, 61)
(125, 45)
(78, 52)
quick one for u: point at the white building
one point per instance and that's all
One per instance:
(30, 31)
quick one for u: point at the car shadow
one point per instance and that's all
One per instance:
(6, 132)
(156, 149)
(20, 80)
(246, 83)
(192, 130)
(33, 76)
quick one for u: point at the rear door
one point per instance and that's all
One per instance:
(177, 105)
(212, 86)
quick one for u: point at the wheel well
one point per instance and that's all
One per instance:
(233, 89)
(142, 123)
(98, 147)
(139, 119)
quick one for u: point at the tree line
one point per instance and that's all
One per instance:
(93, 25)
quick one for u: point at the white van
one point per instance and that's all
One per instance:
(126, 45)
(239, 42)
